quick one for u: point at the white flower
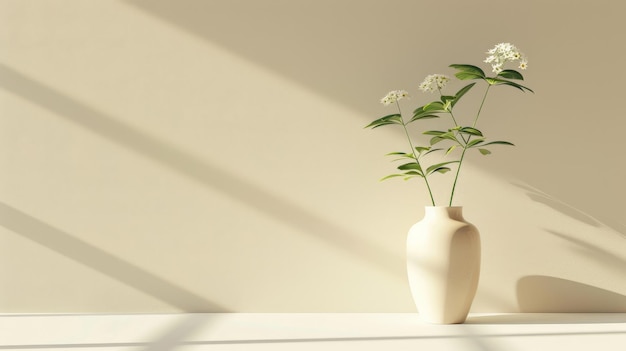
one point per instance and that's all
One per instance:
(394, 96)
(503, 53)
(433, 82)
(523, 64)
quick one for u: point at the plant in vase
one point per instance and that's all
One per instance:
(443, 241)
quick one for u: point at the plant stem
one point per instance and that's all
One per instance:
(456, 124)
(408, 138)
(458, 170)
(481, 106)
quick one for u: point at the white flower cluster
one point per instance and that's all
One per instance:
(434, 82)
(394, 96)
(503, 53)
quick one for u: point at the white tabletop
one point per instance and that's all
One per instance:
(311, 331)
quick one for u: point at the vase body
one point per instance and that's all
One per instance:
(443, 265)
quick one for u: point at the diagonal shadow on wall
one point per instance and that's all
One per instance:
(568, 210)
(104, 262)
(594, 253)
(331, 47)
(301, 40)
(199, 170)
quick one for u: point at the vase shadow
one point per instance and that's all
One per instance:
(548, 318)
(545, 294)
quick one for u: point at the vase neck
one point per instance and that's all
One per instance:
(452, 212)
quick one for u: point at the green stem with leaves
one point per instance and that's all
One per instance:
(458, 170)
(416, 158)
(481, 106)
(449, 110)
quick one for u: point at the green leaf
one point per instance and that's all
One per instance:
(468, 72)
(462, 92)
(403, 155)
(498, 81)
(410, 166)
(391, 176)
(498, 142)
(475, 142)
(434, 132)
(446, 98)
(484, 151)
(415, 118)
(433, 106)
(450, 135)
(421, 149)
(428, 111)
(389, 119)
(448, 101)
(441, 137)
(431, 150)
(471, 131)
(439, 166)
(412, 174)
(468, 68)
(435, 140)
(441, 170)
(450, 149)
(510, 74)
(468, 76)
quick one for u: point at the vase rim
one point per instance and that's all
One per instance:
(451, 211)
(443, 206)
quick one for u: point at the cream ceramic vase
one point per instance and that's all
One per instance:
(443, 265)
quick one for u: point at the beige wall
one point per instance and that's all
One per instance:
(167, 156)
